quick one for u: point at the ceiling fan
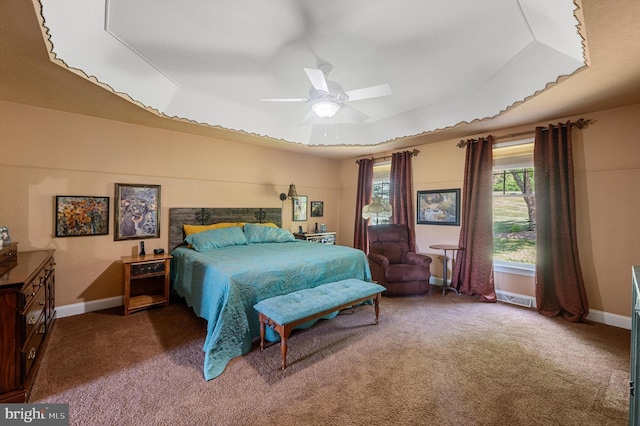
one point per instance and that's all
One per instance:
(328, 97)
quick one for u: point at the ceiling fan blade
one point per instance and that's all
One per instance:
(307, 118)
(353, 114)
(317, 79)
(285, 100)
(369, 92)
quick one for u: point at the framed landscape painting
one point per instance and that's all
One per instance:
(137, 210)
(81, 216)
(439, 207)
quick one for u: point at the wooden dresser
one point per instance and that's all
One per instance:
(27, 313)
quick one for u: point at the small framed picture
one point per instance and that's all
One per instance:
(317, 208)
(137, 211)
(78, 216)
(300, 208)
(439, 207)
(5, 237)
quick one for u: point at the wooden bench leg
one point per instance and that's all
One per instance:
(283, 349)
(376, 303)
(263, 320)
(285, 332)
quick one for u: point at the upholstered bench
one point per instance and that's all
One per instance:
(286, 312)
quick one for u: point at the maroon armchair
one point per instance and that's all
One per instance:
(392, 265)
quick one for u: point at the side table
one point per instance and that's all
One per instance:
(445, 264)
(317, 237)
(146, 281)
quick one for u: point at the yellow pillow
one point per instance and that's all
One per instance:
(194, 229)
(273, 225)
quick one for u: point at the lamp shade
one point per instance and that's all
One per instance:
(378, 208)
(292, 192)
(325, 109)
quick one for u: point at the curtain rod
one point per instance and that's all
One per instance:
(413, 153)
(581, 123)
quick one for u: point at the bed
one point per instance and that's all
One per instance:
(222, 283)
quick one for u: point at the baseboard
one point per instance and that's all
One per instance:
(505, 296)
(610, 319)
(90, 306)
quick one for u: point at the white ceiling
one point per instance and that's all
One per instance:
(447, 61)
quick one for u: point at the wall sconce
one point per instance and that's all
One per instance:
(292, 193)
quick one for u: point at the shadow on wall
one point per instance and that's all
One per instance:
(110, 283)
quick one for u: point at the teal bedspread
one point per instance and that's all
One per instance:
(222, 286)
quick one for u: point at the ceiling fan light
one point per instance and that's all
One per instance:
(325, 109)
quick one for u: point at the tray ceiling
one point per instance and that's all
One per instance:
(211, 62)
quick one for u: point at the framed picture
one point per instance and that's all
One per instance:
(137, 210)
(5, 237)
(78, 216)
(300, 208)
(317, 208)
(439, 207)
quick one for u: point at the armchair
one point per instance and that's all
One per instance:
(392, 265)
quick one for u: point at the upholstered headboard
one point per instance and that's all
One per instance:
(206, 216)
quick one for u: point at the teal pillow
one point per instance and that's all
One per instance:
(217, 238)
(266, 234)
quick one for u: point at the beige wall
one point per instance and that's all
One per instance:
(47, 153)
(608, 197)
(607, 180)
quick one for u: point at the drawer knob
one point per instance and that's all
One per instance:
(42, 301)
(42, 329)
(32, 353)
(32, 320)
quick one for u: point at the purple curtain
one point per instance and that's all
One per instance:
(473, 269)
(400, 193)
(559, 283)
(363, 197)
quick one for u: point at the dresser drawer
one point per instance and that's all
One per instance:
(31, 288)
(7, 262)
(27, 313)
(147, 268)
(31, 349)
(8, 257)
(32, 313)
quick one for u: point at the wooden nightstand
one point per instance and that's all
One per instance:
(146, 281)
(317, 237)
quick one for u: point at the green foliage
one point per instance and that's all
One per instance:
(515, 228)
(504, 182)
(512, 242)
(514, 250)
(381, 189)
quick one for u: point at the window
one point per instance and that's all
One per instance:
(514, 213)
(381, 183)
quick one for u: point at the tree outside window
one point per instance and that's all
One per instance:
(381, 184)
(514, 215)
